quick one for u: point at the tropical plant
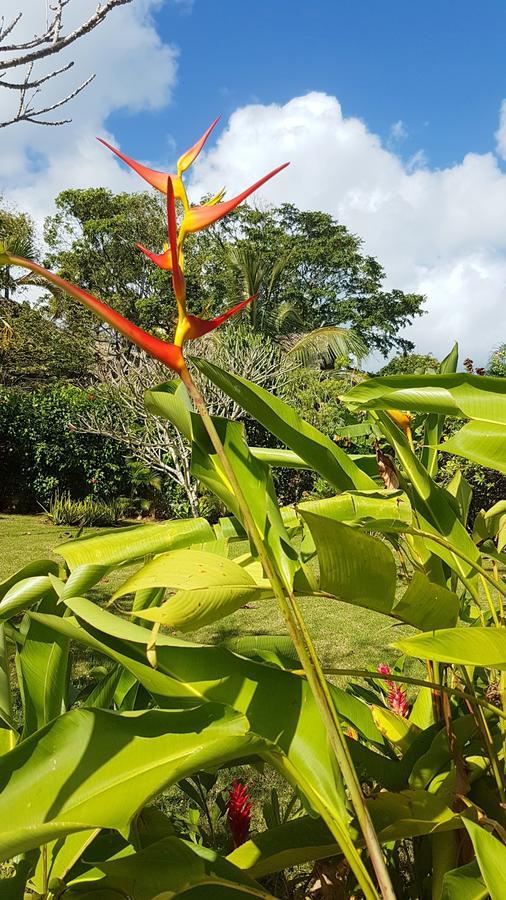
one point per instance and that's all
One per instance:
(390, 782)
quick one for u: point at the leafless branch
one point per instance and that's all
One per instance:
(49, 42)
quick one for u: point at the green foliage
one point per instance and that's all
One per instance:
(41, 450)
(497, 362)
(411, 364)
(35, 350)
(325, 278)
(65, 511)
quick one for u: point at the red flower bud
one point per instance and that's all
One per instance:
(239, 812)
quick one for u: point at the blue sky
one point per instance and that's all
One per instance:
(393, 115)
(438, 67)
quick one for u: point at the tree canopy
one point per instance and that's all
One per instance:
(308, 269)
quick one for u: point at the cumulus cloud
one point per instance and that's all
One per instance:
(500, 134)
(441, 232)
(134, 70)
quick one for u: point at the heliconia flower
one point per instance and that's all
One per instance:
(198, 217)
(167, 353)
(184, 162)
(194, 327)
(403, 421)
(239, 812)
(163, 260)
(157, 179)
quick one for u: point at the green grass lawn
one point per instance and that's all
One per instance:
(345, 636)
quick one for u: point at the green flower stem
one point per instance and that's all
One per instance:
(313, 671)
(487, 740)
(476, 566)
(437, 688)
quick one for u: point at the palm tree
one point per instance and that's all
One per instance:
(321, 347)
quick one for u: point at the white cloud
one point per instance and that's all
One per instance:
(500, 134)
(441, 232)
(398, 132)
(134, 70)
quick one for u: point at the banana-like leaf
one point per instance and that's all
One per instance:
(438, 754)
(274, 648)
(134, 542)
(373, 510)
(171, 401)
(427, 606)
(42, 667)
(461, 490)
(257, 486)
(39, 567)
(96, 769)
(464, 883)
(482, 398)
(315, 448)
(464, 646)
(279, 456)
(294, 738)
(169, 868)
(354, 567)
(481, 442)
(491, 524)
(208, 587)
(24, 594)
(435, 508)
(491, 856)
(395, 816)
(8, 734)
(398, 731)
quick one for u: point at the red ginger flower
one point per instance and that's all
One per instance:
(396, 697)
(398, 702)
(239, 812)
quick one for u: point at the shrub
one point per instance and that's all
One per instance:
(41, 451)
(65, 511)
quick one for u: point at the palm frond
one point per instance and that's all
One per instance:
(326, 345)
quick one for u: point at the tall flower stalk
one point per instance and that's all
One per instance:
(189, 327)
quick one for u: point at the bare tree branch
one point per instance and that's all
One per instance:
(49, 42)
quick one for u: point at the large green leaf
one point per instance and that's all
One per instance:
(92, 768)
(465, 646)
(167, 869)
(170, 401)
(373, 510)
(257, 486)
(354, 567)
(127, 544)
(464, 883)
(42, 669)
(434, 507)
(491, 856)
(315, 448)
(427, 606)
(434, 423)
(466, 396)
(39, 567)
(208, 587)
(481, 442)
(24, 594)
